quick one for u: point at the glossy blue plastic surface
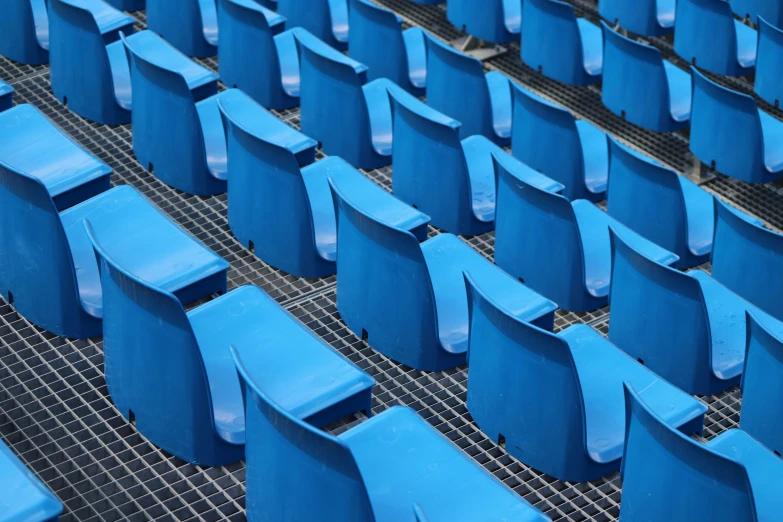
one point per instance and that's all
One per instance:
(559, 45)
(89, 67)
(557, 247)
(409, 298)
(729, 132)
(393, 467)
(641, 87)
(24, 31)
(6, 96)
(496, 21)
(669, 476)
(326, 19)
(453, 77)
(768, 83)
(577, 432)
(128, 5)
(645, 17)
(707, 36)
(23, 498)
(543, 131)
(747, 258)
(189, 25)
(452, 181)
(378, 41)
(769, 10)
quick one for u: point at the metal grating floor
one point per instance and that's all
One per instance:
(55, 412)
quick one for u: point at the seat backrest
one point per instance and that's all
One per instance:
(726, 129)
(769, 10)
(376, 40)
(668, 476)
(704, 34)
(551, 43)
(747, 259)
(189, 34)
(640, 17)
(768, 83)
(486, 19)
(20, 24)
(314, 15)
(316, 475)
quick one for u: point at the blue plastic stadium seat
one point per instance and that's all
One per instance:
(730, 134)
(452, 181)
(645, 17)
(550, 140)
(496, 21)
(189, 25)
(199, 416)
(24, 31)
(643, 88)
(349, 117)
(326, 19)
(693, 326)
(393, 467)
(128, 5)
(557, 247)
(454, 77)
(408, 299)
(768, 83)
(6, 96)
(378, 41)
(257, 55)
(669, 476)
(23, 497)
(559, 45)
(707, 36)
(557, 399)
(769, 10)
(93, 78)
(747, 258)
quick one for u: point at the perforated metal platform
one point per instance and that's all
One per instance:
(55, 412)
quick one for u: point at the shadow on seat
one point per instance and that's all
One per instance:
(189, 25)
(24, 31)
(497, 21)
(128, 5)
(6, 96)
(645, 17)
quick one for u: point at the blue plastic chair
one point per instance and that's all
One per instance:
(349, 117)
(128, 5)
(199, 415)
(454, 77)
(669, 476)
(747, 258)
(559, 45)
(557, 399)
(643, 88)
(770, 10)
(89, 68)
(661, 205)
(496, 21)
(730, 134)
(557, 247)
(768, 83)
(257, 55)
(707, 36)
(452, 181)
(408, 299)
(189, 25)
(692, 327)
(24, 31)
(645, 17)
(6, 96)
(326, 19)
(378, 41)
(550, 140)
(23, 496)
(392, 467)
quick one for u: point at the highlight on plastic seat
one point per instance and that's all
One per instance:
(559, 45)
(669, 476)
(89, 68)
(645, 17)
(408, 299)
(641, 87)
(768, 83)
(731, 135)
(189, 25)
(199, 416)
(24, 497)
(6, 96)
(557, 247)
(452, 181)
(576, 434)
(707, 35)
(378, 41)
(326, 19)
(454, 77)
(496, 21)
(770, 10)
(549, 139)
(24, 31)
(394, 466)
(128, 5)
